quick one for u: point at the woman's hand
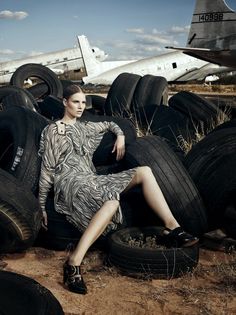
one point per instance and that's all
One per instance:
(45, 220)
(119, 147)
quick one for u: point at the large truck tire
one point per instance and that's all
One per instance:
(39, 71)
(103, 155)
(16, 96)
(120, 95)
(149, 262)
(177, 186)
(20, 217)
(167, 123)
(211, 164)
(22, 295)
(20, 130)
(197, 108)
(52, 107)
(60, 235)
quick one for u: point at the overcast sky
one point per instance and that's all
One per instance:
(125, 29)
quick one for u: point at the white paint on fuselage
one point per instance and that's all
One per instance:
(59, 61)
(170, 65)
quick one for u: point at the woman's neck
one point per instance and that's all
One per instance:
(68, 120)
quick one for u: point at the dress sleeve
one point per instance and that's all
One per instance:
(48, 152)
(110, 125)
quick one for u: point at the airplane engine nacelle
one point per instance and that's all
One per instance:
(211, 78)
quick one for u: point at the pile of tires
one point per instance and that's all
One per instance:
(195, 185)
(21, 124)
(211, 164)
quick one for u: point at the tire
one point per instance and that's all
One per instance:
(97, 103)
(110, 168)
(66, 83)
(120, 95)
(136, 211)
(196, 108)
(150, 90)
(20, 131)
(15, 96)
(167, 123)
(22, 295)
(39, 91)
(178, 188)
(39, 71)
(20, 217)
(61, 234)
(227, 124)
(229, 221)
(150, 262)
(211, 164)
(103, 155)
(51, 107)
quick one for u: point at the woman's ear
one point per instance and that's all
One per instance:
(64, 101)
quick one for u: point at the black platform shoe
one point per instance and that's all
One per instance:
(178, 238)
(73, 279)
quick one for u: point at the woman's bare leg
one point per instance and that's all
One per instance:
(153, 195)
(95, 228)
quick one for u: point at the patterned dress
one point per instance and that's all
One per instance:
(67, 164)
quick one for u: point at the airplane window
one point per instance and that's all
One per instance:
(174, 65)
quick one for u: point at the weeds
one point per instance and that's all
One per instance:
(200, 131)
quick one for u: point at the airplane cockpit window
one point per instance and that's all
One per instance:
(174, 65)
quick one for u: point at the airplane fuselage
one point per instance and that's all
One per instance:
(60, 62)
(171, 65)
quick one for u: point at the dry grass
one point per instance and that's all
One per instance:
(200, 132)
(208, 290)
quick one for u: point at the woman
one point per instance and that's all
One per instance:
(91, 201)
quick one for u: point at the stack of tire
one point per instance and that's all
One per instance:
(133, 102)
(21, 124)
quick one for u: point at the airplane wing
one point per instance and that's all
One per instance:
(225, 57)
(200, 74)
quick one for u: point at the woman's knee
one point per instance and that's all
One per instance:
(144, 171)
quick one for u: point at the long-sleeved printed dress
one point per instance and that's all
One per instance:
(67, 165)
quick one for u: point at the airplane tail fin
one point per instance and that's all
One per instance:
(90, 62)
(213, 26)
(212, 35)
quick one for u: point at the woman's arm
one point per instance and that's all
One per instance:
(49, 159)
(119, 146)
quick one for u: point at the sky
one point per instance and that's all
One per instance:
(124, 29)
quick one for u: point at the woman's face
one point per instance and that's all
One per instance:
(75, 105)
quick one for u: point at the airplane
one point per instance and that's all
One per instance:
(213, 18)
(212, 35)
(59, 62)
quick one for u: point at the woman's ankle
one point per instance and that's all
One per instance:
(73, 262)
(171, 225)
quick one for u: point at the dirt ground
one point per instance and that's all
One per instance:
(209, 290)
